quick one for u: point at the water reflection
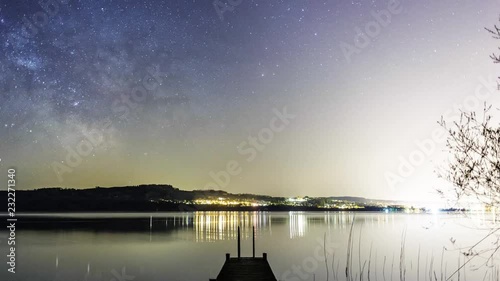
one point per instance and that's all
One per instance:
(201, 226)
(298, 224)
(220, 226)
(82, 246)
(216, 226)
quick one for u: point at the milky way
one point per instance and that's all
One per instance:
(129, 92)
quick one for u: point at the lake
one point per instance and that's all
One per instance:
(192, 246)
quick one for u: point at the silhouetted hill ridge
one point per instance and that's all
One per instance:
(148, 197)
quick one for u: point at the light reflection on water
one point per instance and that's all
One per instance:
(191, 246)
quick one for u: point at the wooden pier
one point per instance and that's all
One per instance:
(246, 268)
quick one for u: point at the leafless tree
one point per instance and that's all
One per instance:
(495, 31)
(474, 165)
(474, 146)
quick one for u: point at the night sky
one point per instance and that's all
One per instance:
(273, 97)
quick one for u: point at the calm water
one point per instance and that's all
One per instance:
(192, 246)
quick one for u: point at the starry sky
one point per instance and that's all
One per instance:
(274, 97)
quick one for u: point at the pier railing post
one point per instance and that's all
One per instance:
(253, 242)
(239, 243)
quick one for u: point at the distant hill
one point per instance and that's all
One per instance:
(161, 198)
(366, 201)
